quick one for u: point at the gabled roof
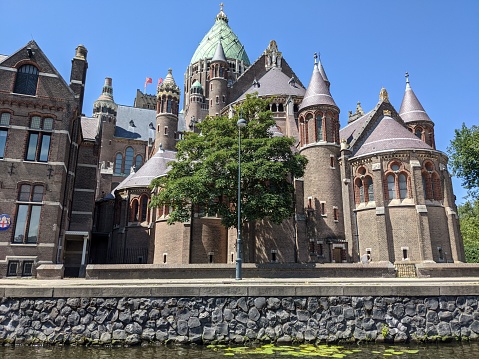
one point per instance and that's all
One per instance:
(275, 82)
(411, 109)
(41, 59)
(155, 167)
(134, 123)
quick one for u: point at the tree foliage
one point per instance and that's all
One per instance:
(464, 158)
(469, 220)
(205, 172)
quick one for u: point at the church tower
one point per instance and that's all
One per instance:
(319, 142)
(219, 51)
(218, 81)
(168, 100)
(416, 119)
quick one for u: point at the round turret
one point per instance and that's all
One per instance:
(168, 99)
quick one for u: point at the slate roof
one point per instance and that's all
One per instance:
(411, 109)
(353, 129)
(155, 167)
(134, 123)
(275, 82)
(317, 92)
(90, 127)
(388, 134)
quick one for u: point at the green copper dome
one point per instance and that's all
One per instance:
(231, 45)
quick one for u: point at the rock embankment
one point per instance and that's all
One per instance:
(132, 321)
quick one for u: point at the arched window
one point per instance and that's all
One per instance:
(361, 191)
(370, 188)
(391, 186)
(402, 186)
(143, 208)
(134, 210)
(168, 105)
(138, 161)
(274, 108)
(280, 108)
(431, 182)
(118, 164)
(364, 190)
(128, 160)
(27, 80)
(418, 132)
(319, 127)
(397, 181)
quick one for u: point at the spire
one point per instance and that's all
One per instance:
(317, 58)
(169, 85)
(219, 53)
(317, 92)
(105, 101)
(411, 109)
(221, 15)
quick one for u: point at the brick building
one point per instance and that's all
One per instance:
(375, 189)
(43, 171)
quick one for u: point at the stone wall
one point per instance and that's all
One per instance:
(135, 320)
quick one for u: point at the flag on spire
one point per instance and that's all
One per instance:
(160, 80)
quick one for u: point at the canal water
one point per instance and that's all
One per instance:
(351, 351)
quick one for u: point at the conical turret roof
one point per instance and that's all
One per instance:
(317, 92)
(219, 53)
(411, 109)
(232, 47)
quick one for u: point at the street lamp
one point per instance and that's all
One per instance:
(241, 123)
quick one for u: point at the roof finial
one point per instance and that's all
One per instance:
(221, 15)
(315, 58)
(383, 95)
(407, 80)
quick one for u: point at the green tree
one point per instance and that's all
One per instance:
(469, 220)
(464, 158)
(205, 172)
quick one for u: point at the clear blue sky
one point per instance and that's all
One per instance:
(364, 45)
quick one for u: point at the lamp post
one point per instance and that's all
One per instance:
(241, 123)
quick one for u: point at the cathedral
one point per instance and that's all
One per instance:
(75, 189)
